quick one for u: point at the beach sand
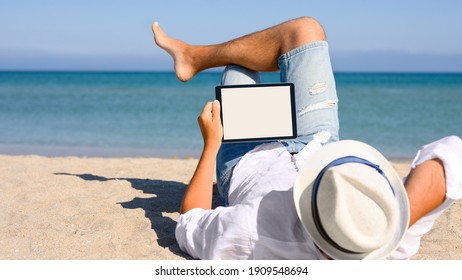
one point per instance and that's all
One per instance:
(122, 208)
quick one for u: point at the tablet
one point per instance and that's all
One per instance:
(257, 112)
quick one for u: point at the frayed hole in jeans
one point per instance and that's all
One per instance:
(322, 136)
(318, 88)
(321, 105)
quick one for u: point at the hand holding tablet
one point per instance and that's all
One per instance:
(257, 112)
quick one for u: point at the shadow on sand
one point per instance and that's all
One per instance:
(167, 198)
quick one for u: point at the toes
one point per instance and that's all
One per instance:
(155, 25)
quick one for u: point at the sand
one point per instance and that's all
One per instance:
(65, 208)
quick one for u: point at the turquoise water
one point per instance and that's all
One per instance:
(153, 114)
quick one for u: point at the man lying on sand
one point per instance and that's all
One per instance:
(313, 197)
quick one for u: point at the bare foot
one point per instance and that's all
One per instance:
(178, 50)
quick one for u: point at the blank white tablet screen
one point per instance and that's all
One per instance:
(256, 112)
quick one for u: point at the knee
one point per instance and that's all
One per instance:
(310, 28)
(235, 75)
(303, 31)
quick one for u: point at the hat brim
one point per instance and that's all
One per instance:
(303, 189)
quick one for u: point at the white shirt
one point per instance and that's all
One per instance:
(261, 221)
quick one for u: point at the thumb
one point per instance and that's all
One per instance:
(216, 110)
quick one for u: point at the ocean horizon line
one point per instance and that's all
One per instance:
(219, 71)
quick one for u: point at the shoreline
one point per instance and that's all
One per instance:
(68, 208)
(95, 152)
(98, 152)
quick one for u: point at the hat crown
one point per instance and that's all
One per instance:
(356, 207)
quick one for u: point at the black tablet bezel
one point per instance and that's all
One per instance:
(292, 104)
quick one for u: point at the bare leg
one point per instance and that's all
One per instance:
(426, 188)
(257, 51)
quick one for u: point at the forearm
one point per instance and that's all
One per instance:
(426, 188)
(200, 190)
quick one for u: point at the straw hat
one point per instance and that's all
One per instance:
(351, 201)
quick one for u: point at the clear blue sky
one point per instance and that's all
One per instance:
(364, 35)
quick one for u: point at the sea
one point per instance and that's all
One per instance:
(152, 114)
